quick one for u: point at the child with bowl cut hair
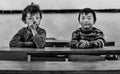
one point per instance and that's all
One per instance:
(87, 36)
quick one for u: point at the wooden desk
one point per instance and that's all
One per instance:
(68, 51)
(65, 43)
(96, 67)
(62, 51)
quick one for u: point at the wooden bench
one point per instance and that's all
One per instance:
(94, 67)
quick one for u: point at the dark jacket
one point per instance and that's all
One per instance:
(24, 38)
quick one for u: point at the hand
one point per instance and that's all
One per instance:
(33, 26)
(84, 44)
(33, 29)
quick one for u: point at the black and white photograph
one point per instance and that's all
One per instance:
(59, 36)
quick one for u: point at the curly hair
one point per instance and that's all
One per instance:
(32, 9)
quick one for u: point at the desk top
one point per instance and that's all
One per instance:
(64, 50)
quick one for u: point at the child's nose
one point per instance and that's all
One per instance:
(85, 20)
(35, 20)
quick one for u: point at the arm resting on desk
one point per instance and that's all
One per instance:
(92, 40)
(23, 44)
(99, 43)
(25, 39)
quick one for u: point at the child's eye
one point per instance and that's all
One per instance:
(37, 17)
(89, 18)
(83, 18)
(30, 18)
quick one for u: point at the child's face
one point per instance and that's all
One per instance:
(86, 20)
(33, 19)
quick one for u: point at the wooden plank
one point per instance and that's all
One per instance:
(57, 43)
(64, 50)
(68, 51)
(52, 52)
(65, 43)
(20, 67)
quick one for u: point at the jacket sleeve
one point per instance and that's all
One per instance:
(16, 40)
(39, 39)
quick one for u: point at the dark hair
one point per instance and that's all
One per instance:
(32, 9)
(86, 11)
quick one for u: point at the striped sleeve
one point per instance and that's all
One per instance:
(99, 40)
(75, 39)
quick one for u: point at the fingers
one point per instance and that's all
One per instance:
(30, 23)
(33, 26)
(84, 44)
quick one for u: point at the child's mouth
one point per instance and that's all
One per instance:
(86, 24)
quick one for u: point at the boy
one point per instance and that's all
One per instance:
(86, 36)
(32, 35)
